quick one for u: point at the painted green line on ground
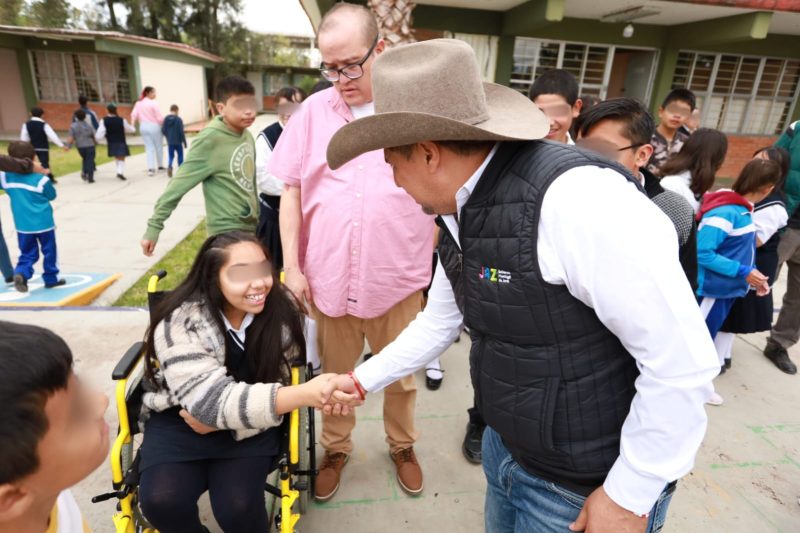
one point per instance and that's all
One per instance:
(751, 464)
(775, 428)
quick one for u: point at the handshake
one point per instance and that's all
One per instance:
(334, 394)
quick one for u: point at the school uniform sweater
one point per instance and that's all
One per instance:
(726, 244)
(192, 374)
(30, 196)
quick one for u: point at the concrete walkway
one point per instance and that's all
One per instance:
(99, 225)
(747, 475)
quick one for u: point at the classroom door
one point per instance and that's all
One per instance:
(632, 74)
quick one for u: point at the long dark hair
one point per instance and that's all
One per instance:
(146, 91)
(702, 155)
(781, 156)
(276, 333)
(757, 174)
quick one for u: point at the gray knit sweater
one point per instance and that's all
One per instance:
(192, 374)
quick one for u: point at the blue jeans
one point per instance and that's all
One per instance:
(6, 268)
(29, 244)
(518, 502)
(173, 149)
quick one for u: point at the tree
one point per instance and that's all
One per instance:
(394, 20)
(49, 14)
(9, 12)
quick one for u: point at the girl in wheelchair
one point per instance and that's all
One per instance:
(218, 356)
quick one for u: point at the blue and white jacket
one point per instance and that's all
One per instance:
(726, 245)
(30, 196)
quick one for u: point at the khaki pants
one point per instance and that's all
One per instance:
(786, 330)
(341, 341)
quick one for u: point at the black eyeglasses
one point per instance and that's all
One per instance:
(352, 71)
(605, 148)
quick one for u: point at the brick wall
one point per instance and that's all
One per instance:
(740, 151)
(59, 115)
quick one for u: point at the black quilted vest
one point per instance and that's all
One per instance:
(549, 377)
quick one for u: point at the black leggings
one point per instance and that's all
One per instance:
(169, 494)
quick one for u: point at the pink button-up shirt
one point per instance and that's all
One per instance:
(147, 110)
(365, 244)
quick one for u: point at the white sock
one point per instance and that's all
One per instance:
(434, 369)
(120, 166)
(723, 342)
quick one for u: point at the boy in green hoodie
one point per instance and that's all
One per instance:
(222, 158)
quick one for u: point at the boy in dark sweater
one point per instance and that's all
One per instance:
(81, 134)
(39, 133)
(176, 137)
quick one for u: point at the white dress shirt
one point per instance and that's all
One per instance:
(101, 131)
(615, 252)
(267, 183)
(680, 183)
(51, 135)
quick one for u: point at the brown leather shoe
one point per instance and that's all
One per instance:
(329, 474)
(409, 474)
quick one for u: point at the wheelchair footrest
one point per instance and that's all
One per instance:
(275, 491)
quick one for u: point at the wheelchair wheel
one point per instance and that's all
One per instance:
(304, 463)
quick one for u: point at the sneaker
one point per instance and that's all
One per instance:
(20, 283)
(9, 280)
(779, 357)
(60, 283)
(715, 399)
(409, 474)
(431, 381)
(91, 179)
(151, 172)
(728, 363)
(121, 177)
(329, 475)
(169, 172)
(471, 447)
(161, 168)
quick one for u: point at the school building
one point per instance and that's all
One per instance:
(740, 57)
(52, 67)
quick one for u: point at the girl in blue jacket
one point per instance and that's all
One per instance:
(726, 243)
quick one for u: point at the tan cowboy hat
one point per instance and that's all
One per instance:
(432, 91)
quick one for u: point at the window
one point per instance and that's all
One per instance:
(62, 77)
(590, 64)
(740, 94)
(274, 81)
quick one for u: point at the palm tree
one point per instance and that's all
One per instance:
(394, 20)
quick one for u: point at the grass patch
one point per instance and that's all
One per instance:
(177, 264)
(63, 163)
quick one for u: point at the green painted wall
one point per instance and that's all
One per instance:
(505, 60)
(26, 75)
(458, 20)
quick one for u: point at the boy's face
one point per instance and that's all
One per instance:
(675, 114)
(560, 114)
(608, 138)
(75, 444)
(238, 111)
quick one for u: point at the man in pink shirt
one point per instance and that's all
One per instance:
(356, 247)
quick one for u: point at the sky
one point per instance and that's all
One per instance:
(264, 16)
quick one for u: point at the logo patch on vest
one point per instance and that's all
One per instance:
(494, 275)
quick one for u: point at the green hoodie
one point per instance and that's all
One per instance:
(224, 163)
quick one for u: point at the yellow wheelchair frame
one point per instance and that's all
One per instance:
(296, 464)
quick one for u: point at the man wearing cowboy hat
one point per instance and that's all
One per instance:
(355, 247)
(590, 359)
